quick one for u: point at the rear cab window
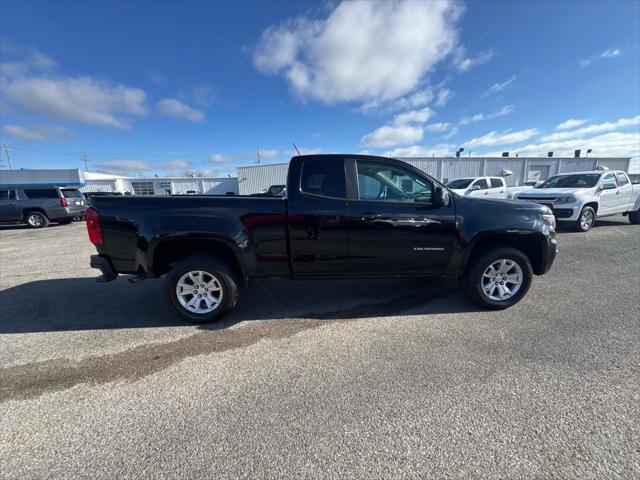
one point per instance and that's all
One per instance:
(622, 178)
(497, 183)
(324, 177)
(34, 193)
(7, 194)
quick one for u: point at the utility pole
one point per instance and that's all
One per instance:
(85, 159)
(6, 150)
(257, 155)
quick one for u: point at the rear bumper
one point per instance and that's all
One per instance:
(104, 265)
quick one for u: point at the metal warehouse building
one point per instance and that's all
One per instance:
(257, 178)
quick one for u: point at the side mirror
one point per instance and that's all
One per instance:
(440, 197)
(608, 186)
(474, 187)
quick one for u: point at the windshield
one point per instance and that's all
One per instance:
(460, 183)
(585, 180)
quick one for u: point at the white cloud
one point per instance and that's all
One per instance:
(571, 123)
(362, 51)
(31, 60)
(390, 135)
(479, 117)
(414, 116)
(173, 165)
(175, 108)
(612, 144)
(464, 64)
(39, 134)
(444, 95)
(438, 127)
(81, 99)
(202, 95)
(495, 138)
(440, 150)
(611, 53)
(595, 128)
(124, 166)
(404, 128)
(268, 153)
(499, 86)
(221, 158)
(607, 54)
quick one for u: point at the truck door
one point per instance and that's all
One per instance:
(626, 192)
(318, 226)
(9, 211)
(394, 226)
(498, 187)
(479, 188)
(609, 195)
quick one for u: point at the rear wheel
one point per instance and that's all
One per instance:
(201, 288)
(634, 217)
(36, 220)
(586, 220)
(498, 279)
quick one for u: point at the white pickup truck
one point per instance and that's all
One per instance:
(482, 187)
(580, 197)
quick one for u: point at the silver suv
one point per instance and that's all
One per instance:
(37, 206)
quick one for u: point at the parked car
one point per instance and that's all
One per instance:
(273, 191)
(483, 187)
(37, 206)
(579, 198)
(345, 216)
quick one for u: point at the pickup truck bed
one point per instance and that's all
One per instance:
(344, 216)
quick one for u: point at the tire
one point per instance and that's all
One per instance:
(517, 265)
(35, 219)
(586, 220)
(210, 305)
(634, 217)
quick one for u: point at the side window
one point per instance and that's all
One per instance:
(622, 178)
(497, 183)
(7, 194)
(381, 181)
(482, 183)
(323, 176)
(609, 178)
(41, 193)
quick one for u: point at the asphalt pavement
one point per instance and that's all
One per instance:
(320, 379)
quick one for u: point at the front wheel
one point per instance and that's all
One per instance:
(498, 279)
(586, 219)
(201, 288)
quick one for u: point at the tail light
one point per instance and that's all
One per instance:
(63, 202)
(93, 226)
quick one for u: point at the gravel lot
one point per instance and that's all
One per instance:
(340, 379)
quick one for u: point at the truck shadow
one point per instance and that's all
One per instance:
(83, 304)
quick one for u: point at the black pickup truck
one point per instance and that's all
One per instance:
(343, 216)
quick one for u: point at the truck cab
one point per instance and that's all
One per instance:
(482, 187)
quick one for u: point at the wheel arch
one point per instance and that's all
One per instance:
(170, 251)
(531, 244)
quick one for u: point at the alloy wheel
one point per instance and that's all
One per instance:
(199, 291)
(501, 280)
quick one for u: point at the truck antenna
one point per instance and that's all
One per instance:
(294, 146)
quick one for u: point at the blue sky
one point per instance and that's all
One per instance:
(170, 87)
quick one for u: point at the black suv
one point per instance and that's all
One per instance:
(37, 206)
